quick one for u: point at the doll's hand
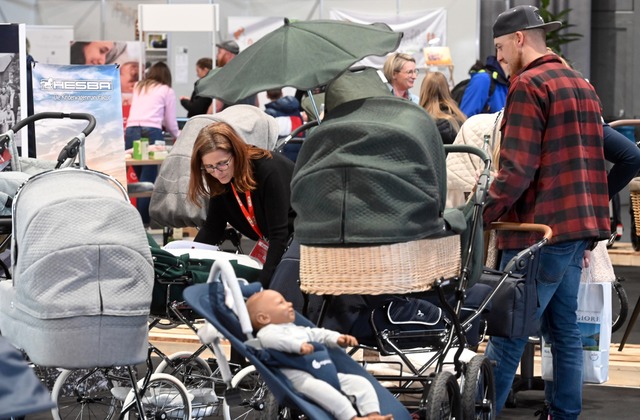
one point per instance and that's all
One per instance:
(347, 340)
(306, 348)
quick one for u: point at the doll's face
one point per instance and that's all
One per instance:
(270, 307)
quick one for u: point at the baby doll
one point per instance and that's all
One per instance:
(272, 318)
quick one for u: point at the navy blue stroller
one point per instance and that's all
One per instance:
(212, 300)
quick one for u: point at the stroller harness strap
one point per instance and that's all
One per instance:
(318, 364)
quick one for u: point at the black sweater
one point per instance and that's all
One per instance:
(271, 202)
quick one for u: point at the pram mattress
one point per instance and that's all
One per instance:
(82, 273)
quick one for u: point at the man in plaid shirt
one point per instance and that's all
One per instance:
(552, 171)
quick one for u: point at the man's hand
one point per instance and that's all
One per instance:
(347, 340)
(586, 259)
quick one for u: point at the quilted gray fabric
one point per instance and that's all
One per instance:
(79, 248)
(169, 205)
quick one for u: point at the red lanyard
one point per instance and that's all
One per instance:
(249, 214)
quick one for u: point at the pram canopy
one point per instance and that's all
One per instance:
(372, 173)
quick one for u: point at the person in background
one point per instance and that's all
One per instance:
(478, 96)
(196, 105)
(435, 98)
(401, 73)
(227, 51)
(95, 52)
(248, 187)
(552, 171)
(272, 317)
(153, 109)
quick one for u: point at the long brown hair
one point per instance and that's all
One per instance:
(435, 98)
(158, 73)
(221, 136)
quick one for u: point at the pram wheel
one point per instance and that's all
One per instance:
(86, 393)
(165, 397)
(443, 398)
(478, 389)
(257, 402)
(192, 371)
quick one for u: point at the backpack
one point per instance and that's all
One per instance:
(458, 91)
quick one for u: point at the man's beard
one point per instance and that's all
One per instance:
(517, 64)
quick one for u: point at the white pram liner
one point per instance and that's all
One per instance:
(82, 273)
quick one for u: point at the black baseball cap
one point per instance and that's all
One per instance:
(231, 46)
(520, 18)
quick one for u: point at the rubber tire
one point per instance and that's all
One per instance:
(619, 292)
(478, 389)
(443, 399)
(198, 367)
(271, 409)
(101, 403)
(182, 409)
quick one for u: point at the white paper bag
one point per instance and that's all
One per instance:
(594, 320)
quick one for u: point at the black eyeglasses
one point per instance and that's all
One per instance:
(222, 166)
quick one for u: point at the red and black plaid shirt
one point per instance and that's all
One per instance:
(552, 167)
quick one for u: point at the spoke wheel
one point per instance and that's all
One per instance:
(478, 389)
(257, 402)
(620, 305)
(443, 398)
(165, 397)
(86, 394)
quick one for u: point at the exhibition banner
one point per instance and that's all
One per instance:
(126, 54)
(423, 29)
(86, 89)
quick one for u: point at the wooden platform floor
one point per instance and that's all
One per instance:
(624, 366)
(622, 253)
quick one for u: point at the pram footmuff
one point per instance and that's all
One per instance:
(82, 271)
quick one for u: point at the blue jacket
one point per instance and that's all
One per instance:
(477, 91)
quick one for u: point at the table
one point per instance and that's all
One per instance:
(143, 162)
(141, 189)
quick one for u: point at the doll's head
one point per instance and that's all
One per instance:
(269, 307)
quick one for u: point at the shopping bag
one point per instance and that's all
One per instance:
(594, 320)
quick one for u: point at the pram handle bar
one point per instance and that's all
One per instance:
(59, 115)
(283, 141)
(520, 261)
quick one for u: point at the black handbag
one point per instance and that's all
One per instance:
(514, 306)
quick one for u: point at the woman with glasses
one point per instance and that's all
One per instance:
(247, 187)
(401, 73)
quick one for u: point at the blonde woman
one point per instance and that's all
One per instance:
(435, 98)
(401, 73)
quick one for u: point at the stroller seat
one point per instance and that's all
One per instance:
(209, 301)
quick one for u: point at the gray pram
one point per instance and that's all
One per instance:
(82, 273)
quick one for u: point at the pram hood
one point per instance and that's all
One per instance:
(78, 248)
(373, 172)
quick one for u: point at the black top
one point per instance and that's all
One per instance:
(273, 212)
(197, 105)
